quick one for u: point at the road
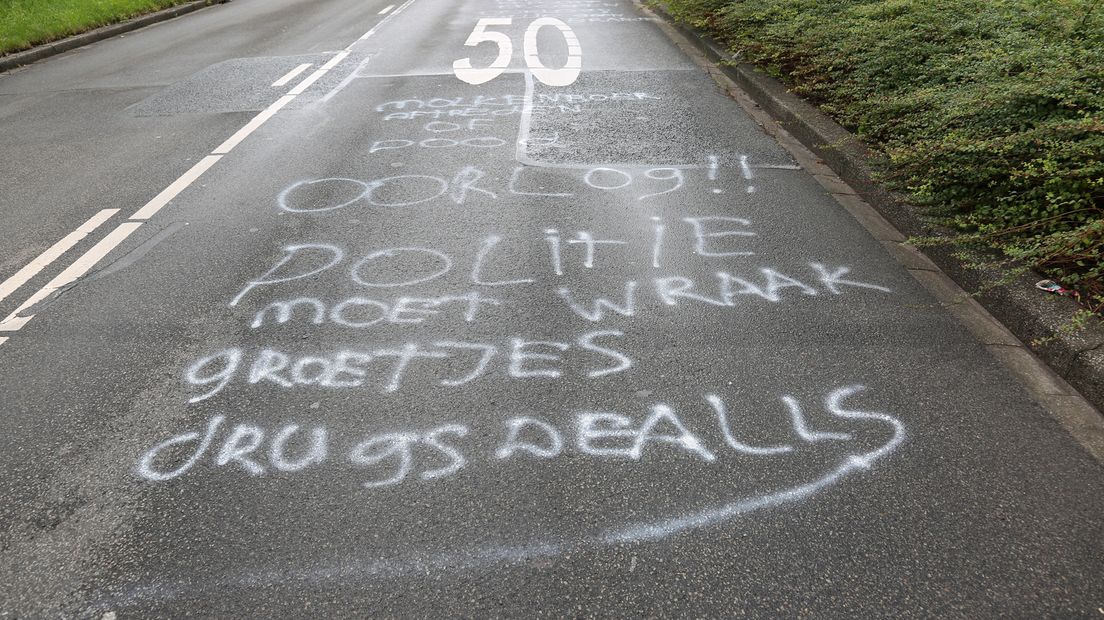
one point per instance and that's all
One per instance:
(386, 336)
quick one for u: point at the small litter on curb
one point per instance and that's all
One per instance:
(1051, 286)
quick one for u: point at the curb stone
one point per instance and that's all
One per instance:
(18, 59)
(1003, 317)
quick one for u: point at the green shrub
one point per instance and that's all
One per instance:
(989, 113)
(24, 23)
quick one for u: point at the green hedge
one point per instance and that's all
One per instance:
(989, 113)
(24, 23)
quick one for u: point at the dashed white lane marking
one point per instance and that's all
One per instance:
(94, 255)
(353, 75)
(312, 78)
(71, 273)
(271, 110)
(291, 75)
(382, 22)
(251, 126)
(7, 287)
(3, 340)
(386, 9)
(177, 186)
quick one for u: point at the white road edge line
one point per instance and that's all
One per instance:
(312, 78)
(382, 22)
(355, 74)
(291, 75)
(386, 9)
(19, 278)
(271, 110)
(79, 267)
(252, 125)
(299, 88)
(177, 186)
(97, 252)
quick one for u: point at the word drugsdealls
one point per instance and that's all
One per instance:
(392, 457)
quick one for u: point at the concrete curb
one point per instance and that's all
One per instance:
(18, 59)
(1030, 315)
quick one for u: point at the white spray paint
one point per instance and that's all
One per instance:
(597, 313)
(746, 170)
(657, 243)
(444, 260)
(665, 528)
(514, 443)
(590, 243)
(314, 454)
(704, 235)
(673, 174)
(146, 468)
(486, 352)
(629, 442)
(801, 427)
(291, 251)
(737, 445)
(525, 359)
(485, 248)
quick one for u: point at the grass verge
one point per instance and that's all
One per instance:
(26, 23)
(988, 113)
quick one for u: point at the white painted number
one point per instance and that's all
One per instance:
(562, 76)
(566, 74)
(463, 67)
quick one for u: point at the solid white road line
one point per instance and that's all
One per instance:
(331, 63)
(386, 9)
(177, 186)
(7, 287)
(117, 236)
(71, 273)
(382, 22)
(299, 88)
(355, 74)
(525, 119)
(290, 75)
(252, 125)
(312, 78)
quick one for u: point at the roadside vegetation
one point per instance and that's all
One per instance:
(25, 23)
(988, 113)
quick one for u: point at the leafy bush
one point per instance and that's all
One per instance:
(990, 113)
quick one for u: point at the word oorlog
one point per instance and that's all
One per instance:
(468, 183)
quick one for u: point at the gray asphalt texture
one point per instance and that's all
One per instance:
(980, 505)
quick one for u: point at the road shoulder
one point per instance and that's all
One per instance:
(1065, 375)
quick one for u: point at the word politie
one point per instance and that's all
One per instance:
(713, 237)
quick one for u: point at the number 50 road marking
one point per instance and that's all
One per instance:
(562, 76)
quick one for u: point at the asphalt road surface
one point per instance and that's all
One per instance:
(355, 327)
